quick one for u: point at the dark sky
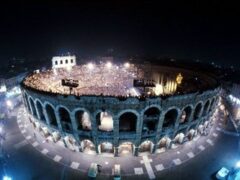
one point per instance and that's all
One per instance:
(206, 31)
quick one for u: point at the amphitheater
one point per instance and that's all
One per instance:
(120, 109)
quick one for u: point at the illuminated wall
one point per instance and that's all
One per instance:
(63, 61)
(165, 85)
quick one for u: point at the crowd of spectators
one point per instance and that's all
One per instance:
(100, 80)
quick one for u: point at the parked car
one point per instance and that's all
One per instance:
(222, 173)
(93, 170)
(116, 172)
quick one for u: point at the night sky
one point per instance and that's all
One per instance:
(206, 31)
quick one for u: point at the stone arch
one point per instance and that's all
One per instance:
(88, 146)
(150, 119)
(197, 111)
(212, 104)
(64, 113)
(32, 105)
(200, 129)
(170, 118)
(206, 124)
(126, 148)
(65, 118)
(164, 143)
(106, 147)
(186, 114)
(51, 114)
(146, 146)
(151, 106)
(56, 136)
(218, 100)
(179, 138)
(40, 110)
(71, 142)
(205, 108)
(82, 119)
(128, 121)
(192, 132)
(27, 103)
(104, 120)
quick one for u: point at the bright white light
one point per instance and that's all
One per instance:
(9, 103)
(134, 92)
(7, 178)
(69, 68)
(1, 129)
(222, 107)
(90, 66)
(158, 89)
(126, 65)
(109, 64)
(106, 122)
(238, 164)
(3, 88)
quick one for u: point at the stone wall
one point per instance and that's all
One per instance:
(196, 108)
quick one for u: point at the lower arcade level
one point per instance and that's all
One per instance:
(105, 146)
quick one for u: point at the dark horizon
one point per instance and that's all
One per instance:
(204, 31)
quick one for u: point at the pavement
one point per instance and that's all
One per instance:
(31, 157)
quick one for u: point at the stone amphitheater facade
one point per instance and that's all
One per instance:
(59, 114)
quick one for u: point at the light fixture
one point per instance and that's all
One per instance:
(109, 64)
(237, 164)
(9, 103)
(1, 129)
(126, 65)
(90, 66)
(7, 178)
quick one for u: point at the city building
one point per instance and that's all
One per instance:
(63, 61)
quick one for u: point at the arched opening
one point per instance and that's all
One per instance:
(83, 120)
(106, 148)
(40, 111)
(65, 119)
(51, 115)
(104, 121)
(34, 112)
(145, 147)
(201, 129)
(206, 106)
(197, 111)
(163, 144)
(71, 143)
(27, 103)
(64, 115)
(212, 104)
(37, 125)
(179, 138)
(192, 132)
(170, 118)
(28, 106)
(125, 148)
(186, 113)
(206, 124)
(127, 122)
(88, 147)
(150, 120)
(56, 136)
(45, 132)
